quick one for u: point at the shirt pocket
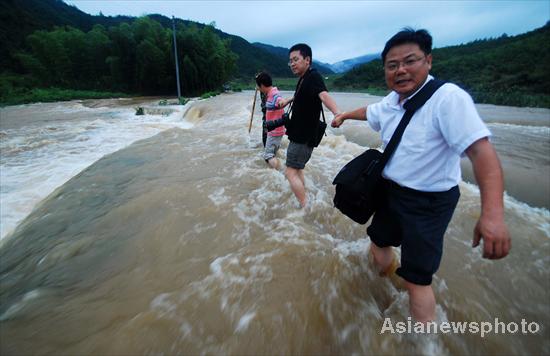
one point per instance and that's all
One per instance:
(414, 139)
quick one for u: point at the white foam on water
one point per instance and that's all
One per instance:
(17, 308)
(218, 197)
(353, 248)
(185, 329)
(36, 159)
(526, 129)
(202, 227)
(163, 305)
(220, 269)
(538, 217)
(244, 321)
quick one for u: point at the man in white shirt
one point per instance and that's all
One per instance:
(423, 174)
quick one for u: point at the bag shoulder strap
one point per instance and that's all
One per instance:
(411, 106)
(298, 86)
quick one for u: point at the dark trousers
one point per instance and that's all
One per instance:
(417, 222)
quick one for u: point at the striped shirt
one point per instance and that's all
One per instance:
(273, 112)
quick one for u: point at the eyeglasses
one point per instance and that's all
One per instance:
(294, 60)
(395, 65)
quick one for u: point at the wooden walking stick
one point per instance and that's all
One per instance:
(252, 112)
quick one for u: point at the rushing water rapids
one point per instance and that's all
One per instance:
(186, 243)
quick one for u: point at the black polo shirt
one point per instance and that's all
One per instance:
(306, 107)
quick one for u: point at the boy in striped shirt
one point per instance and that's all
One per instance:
(274, 110)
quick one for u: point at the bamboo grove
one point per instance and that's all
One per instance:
(131, 58)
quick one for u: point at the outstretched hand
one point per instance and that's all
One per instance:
(338, 120)
(283, 102)
(496, 239)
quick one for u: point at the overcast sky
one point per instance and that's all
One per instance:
(338, 30)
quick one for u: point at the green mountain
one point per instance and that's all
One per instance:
(283, 53)
(20, 18)
(509, 70)
(47, 43)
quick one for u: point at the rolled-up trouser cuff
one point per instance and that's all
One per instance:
(423, 280)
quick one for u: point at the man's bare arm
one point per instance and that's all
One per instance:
(490, 226)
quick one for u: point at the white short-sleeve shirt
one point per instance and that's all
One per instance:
(428, 156)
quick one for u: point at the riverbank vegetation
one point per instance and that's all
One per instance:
(53, 51)
(40, 95)
(504, 71)
(136, 59)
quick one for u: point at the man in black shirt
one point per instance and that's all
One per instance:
(309, 96)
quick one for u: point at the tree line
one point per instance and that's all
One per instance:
(503, 71)
(131, 58)
(135, 56)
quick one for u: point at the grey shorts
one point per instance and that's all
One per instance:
(297, 155)
(272, 144)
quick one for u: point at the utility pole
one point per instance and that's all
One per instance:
(176, 56)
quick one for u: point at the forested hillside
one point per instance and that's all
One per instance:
(283, 53)
(504, 71)
(136, 58)
(47, 43)
(19, 18)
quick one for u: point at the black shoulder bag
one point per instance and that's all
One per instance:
(358, 184)
(319, 130)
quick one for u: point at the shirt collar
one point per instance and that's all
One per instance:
(394, 99)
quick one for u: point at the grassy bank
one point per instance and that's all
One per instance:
(40, 95)
(35, 95)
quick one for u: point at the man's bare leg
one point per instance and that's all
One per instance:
(421, 302)
(421, 298)
(273, 163)
(383, 257)
(297, 184)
